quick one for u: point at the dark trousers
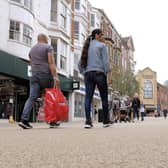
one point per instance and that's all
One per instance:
(142, 116)
(99, 79)
(38, 82)
(136, 112)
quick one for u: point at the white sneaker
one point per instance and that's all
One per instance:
(87, 126)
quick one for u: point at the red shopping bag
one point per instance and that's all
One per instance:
(55, 105)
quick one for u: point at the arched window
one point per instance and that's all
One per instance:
(148, 89)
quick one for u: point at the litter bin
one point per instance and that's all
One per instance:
(100, 115)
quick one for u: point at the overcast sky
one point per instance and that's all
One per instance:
(147, 22)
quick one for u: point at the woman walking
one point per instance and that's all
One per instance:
(94, 64)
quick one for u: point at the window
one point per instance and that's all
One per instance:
(54, 11)
(54, 45)
(76, 60)
(83, 38)
(63, 56)
(92, 20)
(148, 89)
(76, 30)
(14, 30)
(115, 58)
(63, 15)
(28, 4)
(77, 4)
(19, 1)
(27, 35)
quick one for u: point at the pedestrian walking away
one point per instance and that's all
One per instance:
(44, 74)
(136, 106)
(142, 111)
(94, 65)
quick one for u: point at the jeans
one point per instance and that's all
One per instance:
(38, 82)
(99, 79)
(136, 112)
(142, 116)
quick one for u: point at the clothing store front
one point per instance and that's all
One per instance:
(14, 86)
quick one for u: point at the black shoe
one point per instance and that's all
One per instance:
(54, 124)
(25, 124)
(88, 124)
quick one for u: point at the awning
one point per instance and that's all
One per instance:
(13, 66)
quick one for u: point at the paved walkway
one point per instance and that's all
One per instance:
(123, 145)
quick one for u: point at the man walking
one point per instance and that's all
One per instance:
(44, 75)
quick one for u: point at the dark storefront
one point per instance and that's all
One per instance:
(14, 86)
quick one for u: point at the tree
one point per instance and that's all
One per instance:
(125, 83)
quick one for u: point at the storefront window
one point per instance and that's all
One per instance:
(79, 105)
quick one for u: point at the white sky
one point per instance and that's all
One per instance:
(147, 22)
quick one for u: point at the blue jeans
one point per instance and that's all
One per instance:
(99, 79)
(38, 82)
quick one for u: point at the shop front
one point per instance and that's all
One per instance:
(14, 86)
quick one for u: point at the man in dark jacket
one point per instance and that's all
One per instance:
(136, 106)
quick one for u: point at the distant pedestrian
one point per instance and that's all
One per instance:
(95, 113)
(165, 113)
(43, 75)
(94, 64)
(136, 106)
(142, 111)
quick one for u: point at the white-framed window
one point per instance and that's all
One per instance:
(82, 38)
(53, 16)
(148, 89)
(76, 60)
(14, 30)
(27, 35)
(54, 45)
(63, 15)
(63, 56)
(18, 1)
(92, 20)
(77, 4)
(76, 27)
(28, 4)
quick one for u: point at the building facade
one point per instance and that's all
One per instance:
(22, 21)
(147, 80)
(162, 98)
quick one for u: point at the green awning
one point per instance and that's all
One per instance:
(13, 66)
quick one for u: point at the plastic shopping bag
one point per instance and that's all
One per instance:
(55, 105)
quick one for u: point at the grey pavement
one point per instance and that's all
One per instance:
(123, 145)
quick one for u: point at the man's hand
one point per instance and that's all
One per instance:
(56, 82)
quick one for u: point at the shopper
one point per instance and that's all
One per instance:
(43, 75)
(94, 64)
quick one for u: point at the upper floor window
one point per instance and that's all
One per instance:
(53, 10)
(19, 1)
(63, 56)
(27, 35)
(77, 4)
(115, 58)
(14, 30)
(20, 32)
(25, 3)
(92, 20)
(63, 15)
(28, 4)
(148, 89)
(76, 26)
(54, 45)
